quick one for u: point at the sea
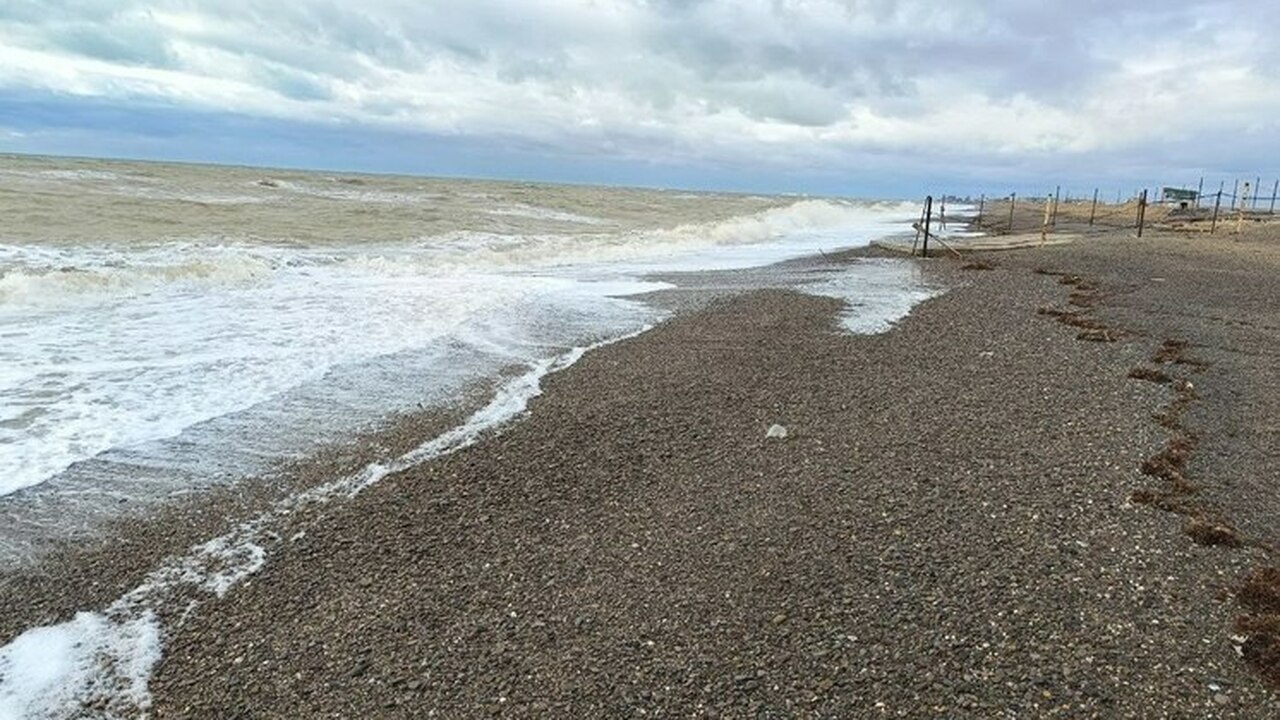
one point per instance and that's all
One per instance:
(168, 328)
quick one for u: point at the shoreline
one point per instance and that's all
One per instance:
(385, 438)
(181, 548)
(643, 440)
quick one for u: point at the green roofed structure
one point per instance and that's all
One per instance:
(1179, 194)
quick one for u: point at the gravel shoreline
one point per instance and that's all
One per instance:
(948, 529)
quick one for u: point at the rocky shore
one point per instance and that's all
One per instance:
(968, 517)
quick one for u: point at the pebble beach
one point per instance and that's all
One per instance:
(964, 518)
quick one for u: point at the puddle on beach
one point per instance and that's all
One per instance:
(877, 293)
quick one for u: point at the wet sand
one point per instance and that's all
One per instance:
(964, 520)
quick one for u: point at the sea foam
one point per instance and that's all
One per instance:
(105, 659)
(110, 346)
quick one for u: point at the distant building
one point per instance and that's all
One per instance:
(1184, 198)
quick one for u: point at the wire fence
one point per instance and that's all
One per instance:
(1178, 208)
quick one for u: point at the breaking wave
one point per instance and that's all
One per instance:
(59, 286)
(56, 279)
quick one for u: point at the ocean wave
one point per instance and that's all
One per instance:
(798, 217)
(34, 277)
(839, 222)
(348, 191)
(540, 213)
(56, 175)
(50, 287)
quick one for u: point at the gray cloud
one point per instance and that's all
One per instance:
(780, 81)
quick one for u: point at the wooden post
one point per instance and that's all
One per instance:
(1216, 204)
(1274, 188)
(1199, 192)
(1057, 193)
(1257, 183)
(928, 218)
(1049, 207)
(1093, 211)
(1235, 193)
(1013, 200)
(1142, 211)
(982, 203)
(1244, 200)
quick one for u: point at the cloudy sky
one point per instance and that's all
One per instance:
(843, 96)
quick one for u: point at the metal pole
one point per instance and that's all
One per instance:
(1093, 211)
(928, 218)
(1199, 191)
(1216, 204)
(1142, 211)
(1013, 200)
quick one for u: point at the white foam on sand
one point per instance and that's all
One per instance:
(878, 293)
(57, 671)
(104, 660)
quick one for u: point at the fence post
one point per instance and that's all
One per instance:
(1274, 188)
(1257, 183)
(1199, 191)
(1093, 211)
(1142, 210)
(1216, 204)
(1235, 193)
(982, 204)
(1244, 199)
(928, 218)
(1048, 218)
(1057, 193)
